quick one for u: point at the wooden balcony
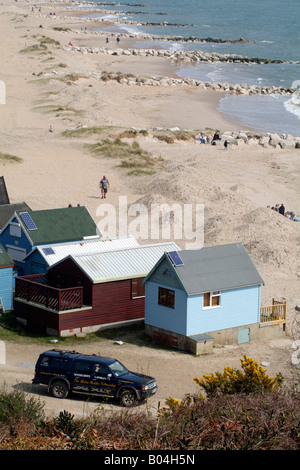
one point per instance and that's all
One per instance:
(34, 289)
(274, 314)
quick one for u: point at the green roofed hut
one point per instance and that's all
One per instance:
(27, 229)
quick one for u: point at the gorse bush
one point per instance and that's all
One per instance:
(173, 405)
(252, 378)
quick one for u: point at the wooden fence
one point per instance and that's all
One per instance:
(275, 313)
(35, 289)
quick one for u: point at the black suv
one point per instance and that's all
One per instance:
(70, 371)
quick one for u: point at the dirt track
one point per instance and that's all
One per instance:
(173, 370)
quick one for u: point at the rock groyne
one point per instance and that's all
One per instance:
(176, 56)
(263, 139)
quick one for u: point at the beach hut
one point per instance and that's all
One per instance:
(197, 298)
(8, 210)
(28, 229)
(87, 292)
(6, 280)
(4, 198)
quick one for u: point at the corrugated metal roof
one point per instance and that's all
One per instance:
(122, 264)
(216, 268)
(62, 250)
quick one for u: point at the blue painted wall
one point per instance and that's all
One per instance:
(238, 307)
(6, 287)
(35, 263)
(17, 242)
(172, 319)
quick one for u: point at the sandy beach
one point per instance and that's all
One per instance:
(50, 89)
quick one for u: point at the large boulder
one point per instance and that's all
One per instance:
(251, 141)
(264, 141)
(274, 143)
(243, 136)
(287, 144)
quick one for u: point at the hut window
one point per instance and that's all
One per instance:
(137, 288)
(211, 299)
(15, 230)
(166, 297)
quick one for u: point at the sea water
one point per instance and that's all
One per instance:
(270, 27)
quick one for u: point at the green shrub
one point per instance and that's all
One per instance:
(130, 156)
(16, 406)
(8, 158)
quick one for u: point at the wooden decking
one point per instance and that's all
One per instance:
(274, 314)
(34, 289)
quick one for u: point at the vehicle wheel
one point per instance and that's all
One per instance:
(128, 398)
(59, 389)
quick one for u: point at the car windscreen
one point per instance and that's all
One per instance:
(117, 368)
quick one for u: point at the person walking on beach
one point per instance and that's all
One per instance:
(104, 185)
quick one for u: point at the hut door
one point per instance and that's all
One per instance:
(244, 336)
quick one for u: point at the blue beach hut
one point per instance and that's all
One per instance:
(203, 297)
(6, 280)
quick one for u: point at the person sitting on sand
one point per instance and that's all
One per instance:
(201, 138)
(216, 136)
(281, 209)
(291, 215)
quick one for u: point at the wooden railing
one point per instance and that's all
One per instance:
(275, 313)
(34, 288)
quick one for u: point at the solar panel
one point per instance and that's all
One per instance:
(175, 258)
(48, 251)
(28, 221)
